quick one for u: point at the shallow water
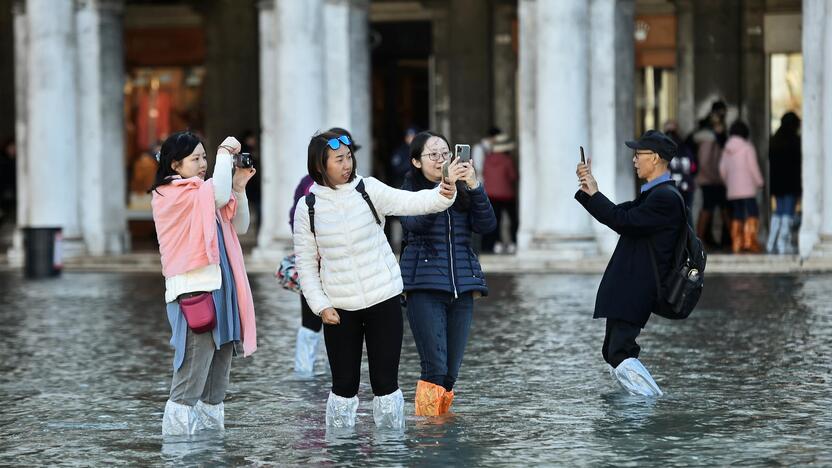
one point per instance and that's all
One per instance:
(748, 381)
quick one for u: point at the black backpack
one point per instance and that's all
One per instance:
(682, 287)
(310, 203)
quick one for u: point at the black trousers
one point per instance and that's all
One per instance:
(491, 238)
(620, 341)
(381, 327)
(307, 318)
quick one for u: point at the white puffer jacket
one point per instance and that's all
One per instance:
(357, 267)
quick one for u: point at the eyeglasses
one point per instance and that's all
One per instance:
(436, 157)
(335, 143)
(642, 153)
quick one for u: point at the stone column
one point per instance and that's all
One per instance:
(361, 124)
(300, 107)
(504, 70)
(7, 89)
(611, 104)
(347, 74)
(21, 84)
(816, 228)
(101, 125)
(563, 122)
(269, 170)
(51, 152)
(717, 52)
(526, 123)
(684, 66)
(826, 113)
(337, 64)
(754, 85)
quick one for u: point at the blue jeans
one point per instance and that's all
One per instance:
(440, 326)
(786, 205)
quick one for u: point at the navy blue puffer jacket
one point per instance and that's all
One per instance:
(438, 254)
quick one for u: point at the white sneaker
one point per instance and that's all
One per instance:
(498, 248)
(512, 249)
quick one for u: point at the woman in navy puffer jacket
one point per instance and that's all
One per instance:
(441, 272)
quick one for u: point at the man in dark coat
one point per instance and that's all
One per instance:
(628, 291)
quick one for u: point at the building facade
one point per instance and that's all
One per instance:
(94, 84)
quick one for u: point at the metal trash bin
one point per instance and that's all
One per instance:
(42, 247)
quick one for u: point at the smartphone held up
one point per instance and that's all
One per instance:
(463, 152)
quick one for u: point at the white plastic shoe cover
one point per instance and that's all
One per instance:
(210, 417)
(340, 411)
(388, 410)
(179, 419)
(634, 377)
(306, 349)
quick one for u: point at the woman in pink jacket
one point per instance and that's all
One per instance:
(208, 297)
(741, 172)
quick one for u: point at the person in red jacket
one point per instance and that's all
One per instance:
(500, 178)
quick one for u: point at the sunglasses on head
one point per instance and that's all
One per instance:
(335, 143)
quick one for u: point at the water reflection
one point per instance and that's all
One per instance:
(87, 367)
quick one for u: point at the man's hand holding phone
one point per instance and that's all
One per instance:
(584, 172)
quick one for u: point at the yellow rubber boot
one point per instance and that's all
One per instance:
(429, 398)
(447, 400)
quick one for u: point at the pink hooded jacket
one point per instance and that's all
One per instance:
(185, 217)
(739, 169)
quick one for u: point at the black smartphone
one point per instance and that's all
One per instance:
(583, 158)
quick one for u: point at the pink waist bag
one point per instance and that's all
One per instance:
(199, 312)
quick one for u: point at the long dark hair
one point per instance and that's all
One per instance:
(740, 129)
(786, 139)
(176, 147)
(789, 125)
(418, 180)
(317, 156)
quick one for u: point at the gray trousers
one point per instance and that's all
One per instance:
(204, 373)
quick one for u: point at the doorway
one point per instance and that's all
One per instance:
(401, 54)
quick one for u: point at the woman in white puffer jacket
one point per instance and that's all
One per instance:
(351, 278)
